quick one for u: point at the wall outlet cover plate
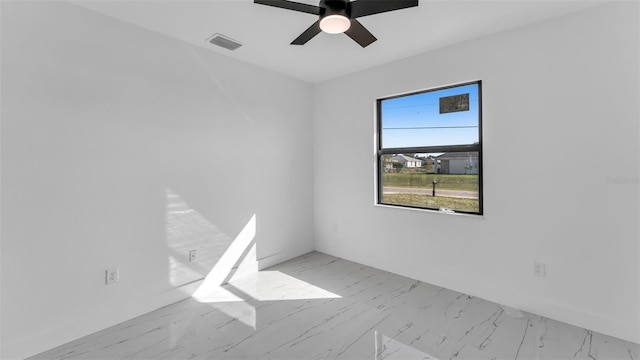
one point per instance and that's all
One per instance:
(112, 276)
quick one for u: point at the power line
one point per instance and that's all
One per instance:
(430, 127)
(407, 106)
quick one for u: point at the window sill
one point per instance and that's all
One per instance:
(431, 211)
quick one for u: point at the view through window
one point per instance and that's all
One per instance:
(430, 149)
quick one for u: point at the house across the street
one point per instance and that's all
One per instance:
(407, 161)
(457, 163)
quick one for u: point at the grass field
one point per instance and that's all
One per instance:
(437, 202)
(422, 180)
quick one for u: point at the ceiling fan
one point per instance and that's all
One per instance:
(339, 16)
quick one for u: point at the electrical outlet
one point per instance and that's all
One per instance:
(111, 276)
(539, 269)
(193, 256)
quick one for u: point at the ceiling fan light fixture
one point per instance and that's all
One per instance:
(340, 16)
(335, 24)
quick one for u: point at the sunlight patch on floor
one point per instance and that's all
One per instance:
(276, 285)
(265, 286)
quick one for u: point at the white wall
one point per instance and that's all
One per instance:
(562, 89)
(121, 147)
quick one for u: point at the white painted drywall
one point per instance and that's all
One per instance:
(561, 124)
(121, 147)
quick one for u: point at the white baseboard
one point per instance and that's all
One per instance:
(42, 341)
(73, 330)
(280, 257)
(628, 330)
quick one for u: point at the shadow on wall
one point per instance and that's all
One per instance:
(218, 256)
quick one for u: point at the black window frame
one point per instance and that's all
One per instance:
(430, 149)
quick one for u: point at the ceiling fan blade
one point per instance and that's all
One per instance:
(308, 34)
(360, 34)
(290, 5)
(361, 8)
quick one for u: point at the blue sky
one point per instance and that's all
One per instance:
(415, 120)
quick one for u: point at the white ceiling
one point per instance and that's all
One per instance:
(266, 32)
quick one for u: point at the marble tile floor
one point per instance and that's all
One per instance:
(321, 307)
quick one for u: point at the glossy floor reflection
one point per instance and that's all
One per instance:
(320, 307)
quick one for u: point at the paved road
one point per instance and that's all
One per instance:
(423, 191)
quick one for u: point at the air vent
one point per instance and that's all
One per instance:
(225, 42)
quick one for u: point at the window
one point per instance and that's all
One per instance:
(430, 149)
